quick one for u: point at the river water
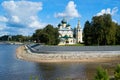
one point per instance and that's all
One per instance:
(12, 68)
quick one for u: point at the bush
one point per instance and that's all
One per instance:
(117, 72)
(101, 74)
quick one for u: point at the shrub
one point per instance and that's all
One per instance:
(117, 72)
(101, 74)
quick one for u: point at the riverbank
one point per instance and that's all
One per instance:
(24, 53)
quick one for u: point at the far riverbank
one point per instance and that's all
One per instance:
(85, 56)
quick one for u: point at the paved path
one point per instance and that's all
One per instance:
(25, 54)
(41, 48)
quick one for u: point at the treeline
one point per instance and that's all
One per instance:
(101, 31)
(48, 35)
(18, 38)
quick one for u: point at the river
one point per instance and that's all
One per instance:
(12, 68)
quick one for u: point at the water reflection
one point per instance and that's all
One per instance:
(63, 71)
(73, 71)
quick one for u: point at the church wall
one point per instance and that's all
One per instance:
(68, 33)
(65, 29)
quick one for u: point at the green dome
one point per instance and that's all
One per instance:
(67, 25)
(59, 25)
(64, 21)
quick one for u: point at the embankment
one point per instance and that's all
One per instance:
(67, 56)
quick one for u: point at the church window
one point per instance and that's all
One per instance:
(67, 41)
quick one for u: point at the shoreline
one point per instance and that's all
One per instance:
(23, 53)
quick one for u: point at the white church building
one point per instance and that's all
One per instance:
(68, 35)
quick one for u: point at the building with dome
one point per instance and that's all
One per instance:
(68, 35)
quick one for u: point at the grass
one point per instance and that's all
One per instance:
(73, 45)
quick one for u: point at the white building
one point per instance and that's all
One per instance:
(69, 36)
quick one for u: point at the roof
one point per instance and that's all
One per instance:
(66, 37)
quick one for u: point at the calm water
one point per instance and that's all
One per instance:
(13, 69)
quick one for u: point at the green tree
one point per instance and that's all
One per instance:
(87, 32)
(101, 74)
(117, 34)
(36, 35)
(48, 35)
(98, 30)
(44, 38)
(101, 31)
(20, 38)
(4, 38)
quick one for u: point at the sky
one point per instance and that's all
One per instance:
(25, 16)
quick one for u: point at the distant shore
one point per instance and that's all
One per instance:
(24, 53)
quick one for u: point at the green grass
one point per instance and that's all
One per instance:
(74, 45)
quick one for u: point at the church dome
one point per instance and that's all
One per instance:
(59, 25)
(68, 25)
(64, 21)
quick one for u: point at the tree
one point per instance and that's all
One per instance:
(48, 35)
(20, 38)
(87, 33)
(117, 34)
(101, 74)
(98, 30)
(4, 38)
(101, 31)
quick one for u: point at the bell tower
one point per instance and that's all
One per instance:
(79, 33)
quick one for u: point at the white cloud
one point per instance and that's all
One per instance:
(25, 31)
(114, 20)
(3, 19)
(3, 33)
(70, 11)
(108, 11)
(114, 10)
(15, 19)
(2, 27)
(22, 14)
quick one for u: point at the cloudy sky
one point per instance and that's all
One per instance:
(25, 16)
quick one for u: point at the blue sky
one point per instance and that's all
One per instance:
(25, 16)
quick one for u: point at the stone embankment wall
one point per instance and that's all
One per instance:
(68, 56)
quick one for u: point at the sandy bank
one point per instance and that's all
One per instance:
(23, 53)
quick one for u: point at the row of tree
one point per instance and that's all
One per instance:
(101, 31)
(48, 35)
(19, 38)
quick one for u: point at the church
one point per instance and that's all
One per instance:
(68, 35)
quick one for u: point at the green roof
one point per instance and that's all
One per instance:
(66, 37)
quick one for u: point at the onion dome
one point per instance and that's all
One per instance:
(64, 21)
(68, 25)
(59, 25)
